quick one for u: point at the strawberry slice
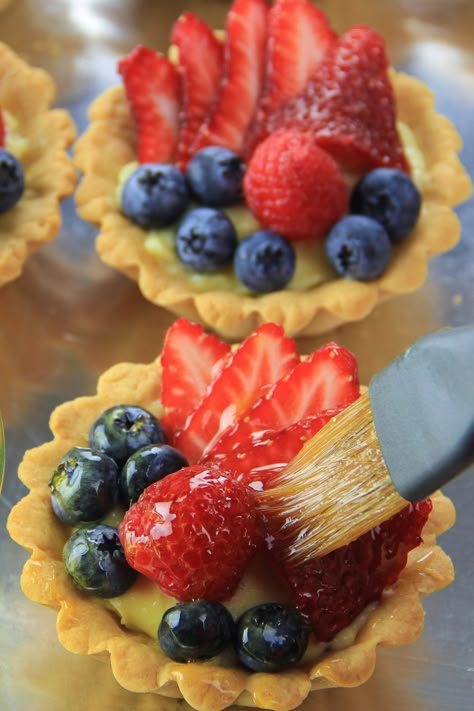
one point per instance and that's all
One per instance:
(2, 130)
(299, 36)
(349, 105)
(242, 81)
(190, 361)
(153, 88)
(326, 380)
(256, 459)
(201, 59)
(263, 357)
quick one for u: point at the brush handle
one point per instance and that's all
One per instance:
(423, 411)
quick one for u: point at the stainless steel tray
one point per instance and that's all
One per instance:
(69, 317)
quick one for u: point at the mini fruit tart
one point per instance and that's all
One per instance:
(145, 531)
(35, 171)
(217, 184)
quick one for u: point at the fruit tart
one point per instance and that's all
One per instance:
(35, 170)
(145, 531)
(218, 184)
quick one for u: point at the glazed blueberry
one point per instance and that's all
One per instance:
(271, 637)
(83, 486)
(264, 261)
(195, 630)
(358, 248)
(147, 465)
(215, 176)
(94, 559)
(206, 240)
(121, 430)
(155, 195)
(12, 180)
(390, 197)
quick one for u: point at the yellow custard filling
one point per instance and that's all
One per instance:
(14, 142)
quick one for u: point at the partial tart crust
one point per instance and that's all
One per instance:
(87, 627)
(109, 144)
(27, 94)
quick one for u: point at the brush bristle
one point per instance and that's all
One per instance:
(336, 488)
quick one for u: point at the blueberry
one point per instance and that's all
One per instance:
(195, 630)
(265, 261)
(390, 197)
(83, 486)
(206, 240)
(271, 637)
(147, 465)
(12, 180)
(358, 247)
(215, 176)
(95, 560)
(155, 195)
(122, 429)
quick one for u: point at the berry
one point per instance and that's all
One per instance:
(200, 79)
(261, 358)
(264, 261)
(83, 486)
(95, 561)
(215, 176)
(358, 248)
(206, 240)
(334, 589)
(147, 465)
(271, 637)
(242, 79)
(193, 532)
(299, 36)
(12, 180)
(293, 187)
(2, 130)
(199, 629)
(349, 105)
(122, 429)
(155, 195)
(153, 88)
(190, 360)
(390, 197)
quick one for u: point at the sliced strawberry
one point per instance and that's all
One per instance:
(255, 460)
(200, 60)
(263, 357)
(153, 88)
(349, 105)
(299, 36)
(190, 360)
(2, 130)
(242, 81)
(327, 379)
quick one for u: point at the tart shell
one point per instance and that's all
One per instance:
(27, 94)
(87, 627)
(110, 143)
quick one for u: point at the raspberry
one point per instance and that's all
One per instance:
(193, 532)
(293, 187)
(334, 589)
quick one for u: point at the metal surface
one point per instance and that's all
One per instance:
(69, 317)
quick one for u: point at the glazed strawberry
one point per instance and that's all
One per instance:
(193, 532)
(242, 80)
(325, 380)
(190, 361)
(153, 89)
(349, 105)
(200, 60)
(2, 130)
(299, 36)
(295, 188)
(261, 359)
(334, 589)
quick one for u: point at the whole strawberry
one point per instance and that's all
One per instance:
(293, 187)
(193, 532)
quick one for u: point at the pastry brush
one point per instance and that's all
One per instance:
(411, 432)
